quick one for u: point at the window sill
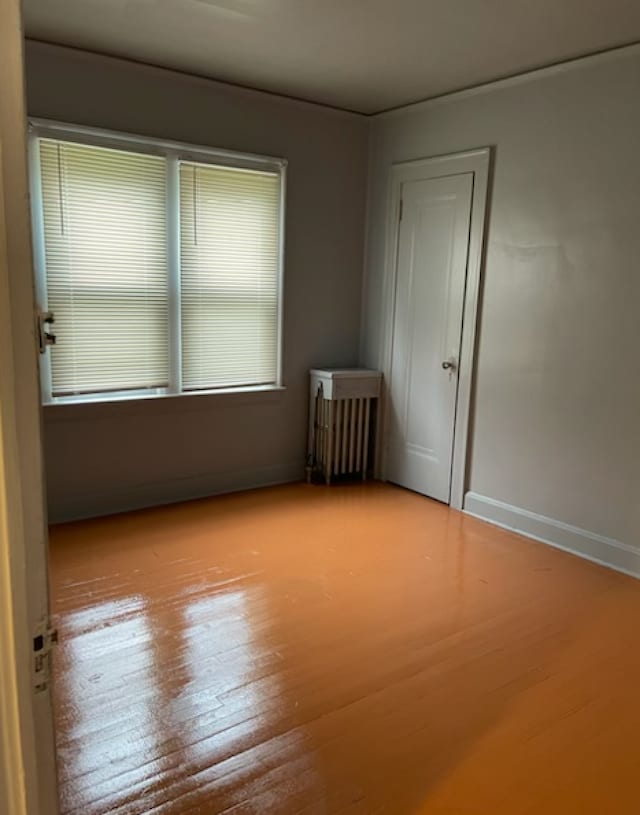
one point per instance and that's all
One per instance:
(159, 403)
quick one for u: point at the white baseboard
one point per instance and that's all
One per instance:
(581, 542)
(140, 496)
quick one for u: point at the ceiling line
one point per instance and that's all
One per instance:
(604, 54)
(203, 77)
(461, 92)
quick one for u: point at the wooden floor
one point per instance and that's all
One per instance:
(353, 650)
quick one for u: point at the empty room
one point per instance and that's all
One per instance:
(318, 424)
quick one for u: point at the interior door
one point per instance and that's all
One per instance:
(433, 246)
(24, 590)
(20, 424)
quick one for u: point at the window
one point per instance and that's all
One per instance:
(160, 262)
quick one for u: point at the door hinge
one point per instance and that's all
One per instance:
(401, 209)
(44, 641)
(45, 337)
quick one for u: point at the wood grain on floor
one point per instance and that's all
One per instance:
(355, 650)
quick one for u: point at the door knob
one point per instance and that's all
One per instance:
(448, 365)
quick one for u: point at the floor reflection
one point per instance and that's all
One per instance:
(108, 701)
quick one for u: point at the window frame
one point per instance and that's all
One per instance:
(174, 152)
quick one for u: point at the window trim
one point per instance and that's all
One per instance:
(174, 152)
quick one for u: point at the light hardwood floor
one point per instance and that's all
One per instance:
(355, 650)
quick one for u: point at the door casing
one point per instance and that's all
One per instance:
(27, 760)
(478, 162)
(29, 736)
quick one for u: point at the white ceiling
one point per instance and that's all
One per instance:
(364, 55)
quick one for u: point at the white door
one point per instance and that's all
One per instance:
(24, 575)
(433, 247)
(25, 698)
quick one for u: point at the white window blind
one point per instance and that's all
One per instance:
(160, 261)
(105, 238)
(229, 250)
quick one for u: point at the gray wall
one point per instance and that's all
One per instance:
(108, 457)
(557, 406)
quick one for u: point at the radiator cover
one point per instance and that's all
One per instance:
(340, 426)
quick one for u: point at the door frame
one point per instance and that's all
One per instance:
(27, 761)
(12, 771)
(28, 749)
(478, 162)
